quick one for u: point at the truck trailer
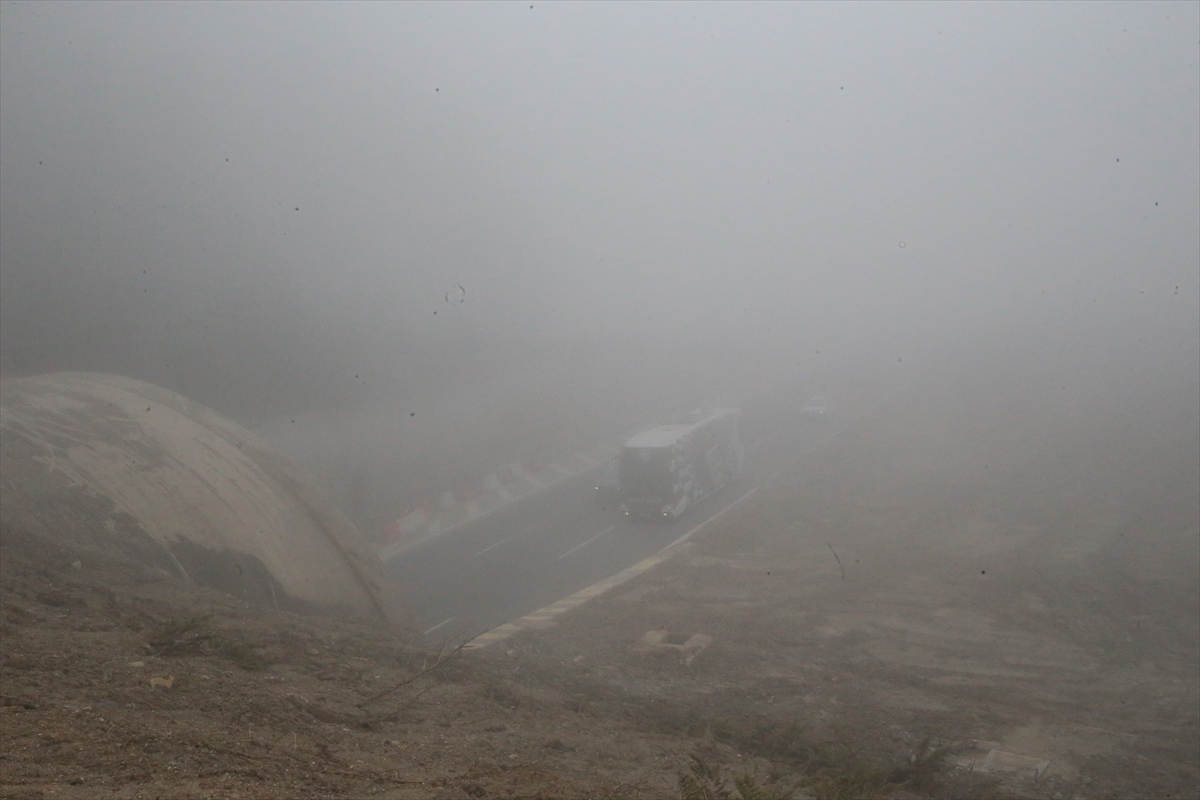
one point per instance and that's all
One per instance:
(668, 468)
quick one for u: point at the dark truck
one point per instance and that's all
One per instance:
(666, 469)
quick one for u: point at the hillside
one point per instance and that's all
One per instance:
(932, 605)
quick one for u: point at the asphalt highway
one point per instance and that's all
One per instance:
(551, 545)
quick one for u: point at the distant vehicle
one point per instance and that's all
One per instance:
(665, 470)
(608, 485)
(817, 404)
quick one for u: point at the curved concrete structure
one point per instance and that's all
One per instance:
(99, 461)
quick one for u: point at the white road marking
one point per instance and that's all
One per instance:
(585, 544)
(436, 528)
(440, 624)
(766, 438)
(506, 540)
(544, 615)
(720, 513)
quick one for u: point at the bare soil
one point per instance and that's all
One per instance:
(934, 594)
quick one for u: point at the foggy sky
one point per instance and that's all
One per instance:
(183, 186)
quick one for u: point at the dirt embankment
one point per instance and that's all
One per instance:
(1022, 609)
(936, 604)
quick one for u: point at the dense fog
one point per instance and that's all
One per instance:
(446, 258)
(378, 215)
